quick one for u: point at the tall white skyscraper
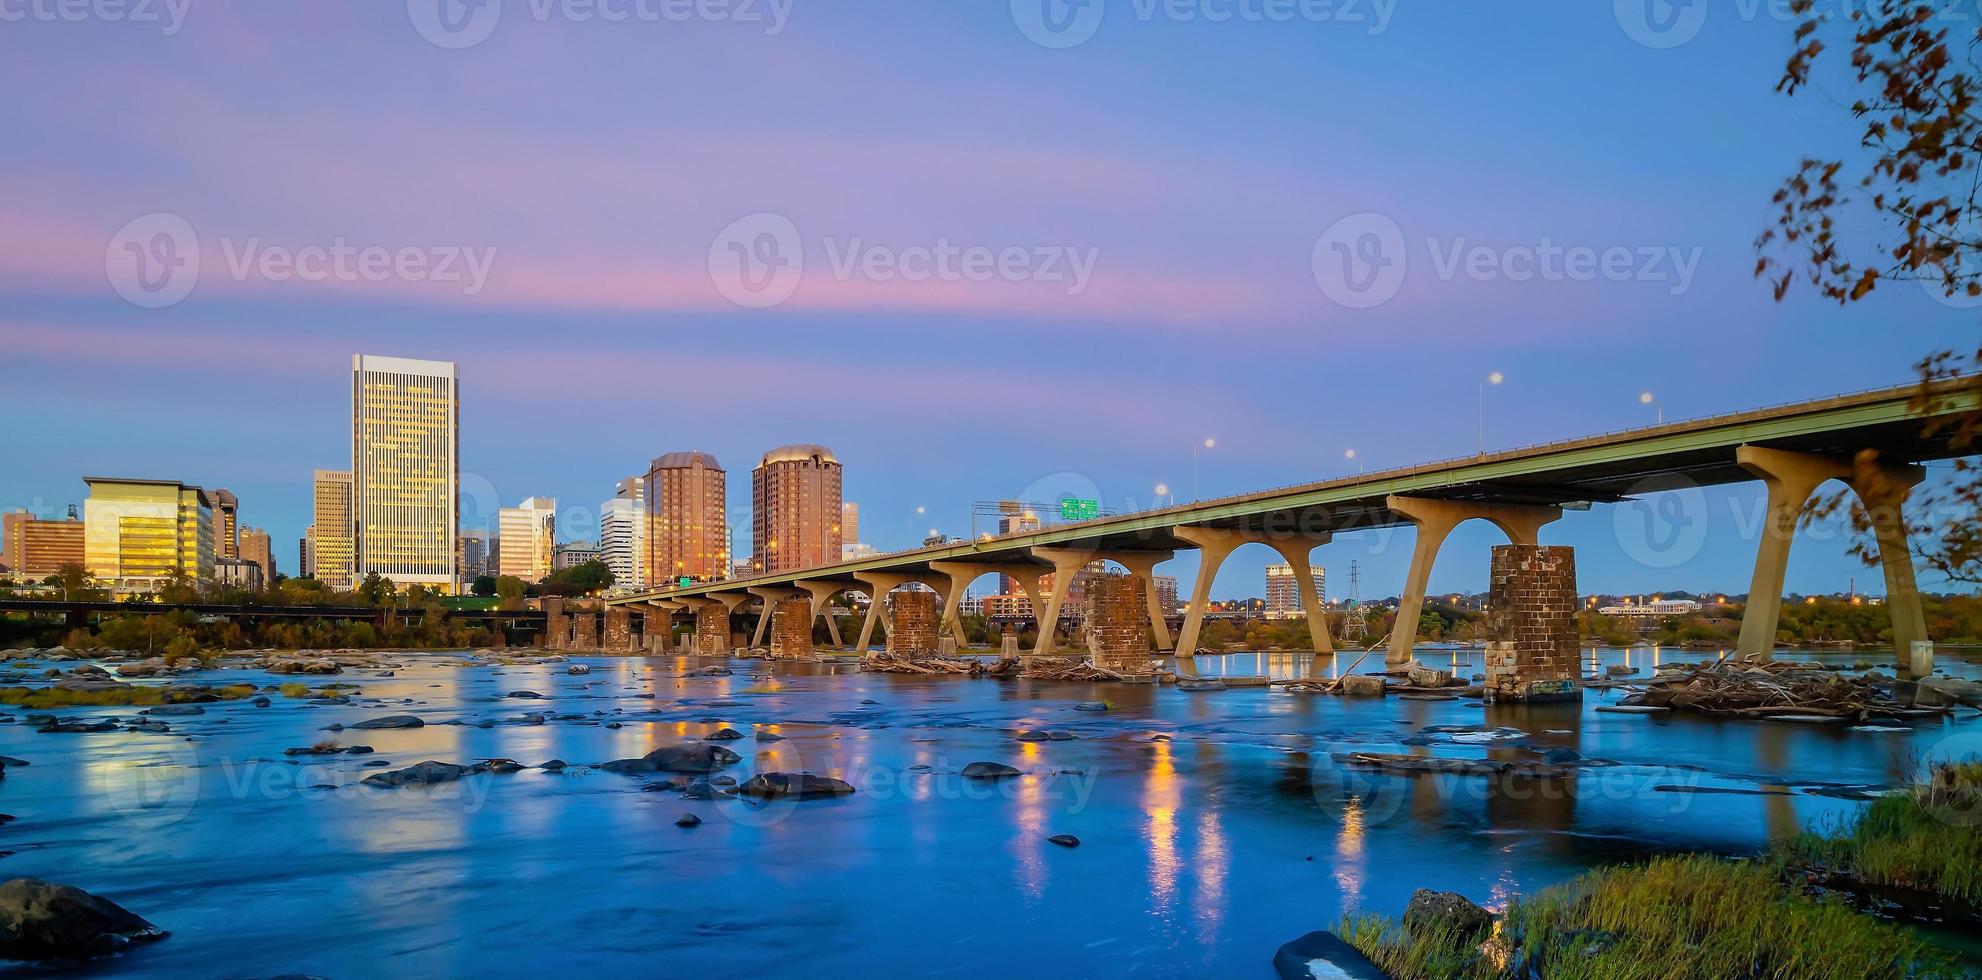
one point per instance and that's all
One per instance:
(1283, 590)
(623, 540)
(405, 470)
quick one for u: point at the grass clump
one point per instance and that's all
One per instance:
(1925, 840)
(295, 689)
(62, 697)
(1678, 916)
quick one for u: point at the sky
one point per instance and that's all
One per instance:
(980, 249)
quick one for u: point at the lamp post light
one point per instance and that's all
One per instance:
(1207, 444)
(1163, 490)
(1646, 398)
(1351, 454)
(1491, 379)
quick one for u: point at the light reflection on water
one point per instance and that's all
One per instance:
(1195, 855)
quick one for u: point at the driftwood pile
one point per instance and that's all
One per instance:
(1068, 669)
(1772, 688)
(891, 663)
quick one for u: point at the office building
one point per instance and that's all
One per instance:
(795, 508)
(1166, 592)
(525, 538)
(1283, 593)
(306, 566)
(34, 547)
(850, 546)
(405, 447)
(226, 514)
(573, 554)
(330, 547)
(141, 534)
(254, 547)
(472, 552)
(623, 541)
(238, 573)
(687, 519)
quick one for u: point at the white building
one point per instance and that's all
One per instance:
(1656, 607)
(623, 541)
(405, 470)
(1283, 595)
(525, 538)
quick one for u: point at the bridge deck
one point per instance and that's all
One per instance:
(1601, 468)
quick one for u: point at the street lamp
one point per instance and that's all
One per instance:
(1163, 490)
(1491, 379)
(1207, 444)
(1647, 399)
(1351, 454)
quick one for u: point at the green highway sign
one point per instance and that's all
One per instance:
(686, 581)
(1077, 509)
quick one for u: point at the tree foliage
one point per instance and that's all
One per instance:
(1915, 86)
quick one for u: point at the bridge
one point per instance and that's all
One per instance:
(1791, 448)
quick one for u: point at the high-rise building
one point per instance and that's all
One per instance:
(795, 508)
(849, 531)
(331, 553)
(473, 551)
(144, 533)
(1166, 593)
(255, 548)
(687, 519)
(33, 546)
(622, 541)
(405, 472)
(226, 515)
(526, 536)
(1283, 591)
(743, 568)
(305, 564)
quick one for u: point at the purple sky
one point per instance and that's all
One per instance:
(602, 167)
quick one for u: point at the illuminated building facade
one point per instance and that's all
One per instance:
(37, 547)
(526, 539)
(145, 533)
(1283, 591)
(255, 547)
(330, 547)
(623, 541)
(405, 474)
(226, 515)
(687, 519)
(795, 508)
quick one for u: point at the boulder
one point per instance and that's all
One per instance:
(1064, 840)
(1323, 954)
(764, 736)
(1429, 910)
(555, 765)
(724, 735)
(794, 786)
(392, 721)
(1620, 670)
(989, 770)
(175, 709)
(699, 789)
(686, 757)
(421, 774)
(1091, 706)
(1362, 685)
(305, 667)
(688, 820)
(578, 669)
(41, 919)
(1429, 677)
(1200, 684)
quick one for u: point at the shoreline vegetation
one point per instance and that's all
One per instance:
(1798, 910)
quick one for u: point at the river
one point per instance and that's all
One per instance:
(1213, 825)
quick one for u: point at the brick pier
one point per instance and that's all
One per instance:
(1531, 650)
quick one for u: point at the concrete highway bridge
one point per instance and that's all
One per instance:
(1791, 449)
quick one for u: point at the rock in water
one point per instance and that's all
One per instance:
(1430, 910)
(392, 721)
(688, 820)
(577, 669)
(421, 774)
(989, 770)
(724, 735)
(1064, 840)
(1091, 706)
(794, 786)
(1363, 686)
(686, 757)
(41, 919)
(1323, 956)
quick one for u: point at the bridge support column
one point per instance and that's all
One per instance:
(1435, 519)
(1067, 563)
(769, 598)
(877, 585)
(958, 575)
(822, 596)
(1142, 565)
(731, 602)
(1214, 546)
(1792, 478)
